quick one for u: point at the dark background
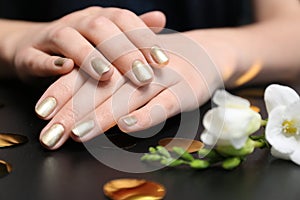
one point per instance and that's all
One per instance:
(73, 173)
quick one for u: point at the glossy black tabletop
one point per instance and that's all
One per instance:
(72, 172)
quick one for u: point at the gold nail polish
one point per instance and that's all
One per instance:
(141, 71)
(130, 120)
(159, 55)
(83, 128)
(100, 66)
(52, 135)
(59, 62)
(46, 107)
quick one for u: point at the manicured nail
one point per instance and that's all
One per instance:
(46, 107)
(52, 135)
(141, 71)
(130, 120)
(83, 128)
(59, 62)
(159, 55)
(100, 66)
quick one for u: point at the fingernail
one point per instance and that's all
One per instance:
(46, 107)
(141, 71)
(59, 62)
(83, 128)
(159, 55)
(100, 66)
(130, 120)
(52, 135)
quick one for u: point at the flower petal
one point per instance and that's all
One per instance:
(274, 134)
(278, 154)
(225, 99)
(293, 112)
(238, 143)
(276, 95)
(208, 139)
(295, 156)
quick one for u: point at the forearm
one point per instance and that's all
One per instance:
(270, 46)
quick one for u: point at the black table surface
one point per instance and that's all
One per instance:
(73, 173)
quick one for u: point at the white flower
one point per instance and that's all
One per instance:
(283, 127)
(231, 122)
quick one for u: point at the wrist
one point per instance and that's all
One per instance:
(221, 48)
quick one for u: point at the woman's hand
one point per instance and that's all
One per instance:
(82, 107)
(46, 49)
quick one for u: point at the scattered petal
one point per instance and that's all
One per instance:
(123, 189)
(188, 145)
(9, 139)
(5, 168)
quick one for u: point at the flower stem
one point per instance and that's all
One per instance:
(263, 122)
(259, 144)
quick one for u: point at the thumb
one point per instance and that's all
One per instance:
(155, 20)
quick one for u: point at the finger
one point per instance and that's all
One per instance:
(42, 64)
(155, 20)
(140, 35)
(124, 101)
(70, 43)
(160, 108)
(117, 48)
(84, 101)
(59, 93)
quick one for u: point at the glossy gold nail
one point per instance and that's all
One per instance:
(52, 135)
(46, 107)
(159, 56)
(82, 129)
(59, 62)
(130, 120)
(141, 71)
(100, 66)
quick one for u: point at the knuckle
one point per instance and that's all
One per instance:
(123, 15)
(22, 59)
(93, 9)
(98, 22)
(59, 34)
(171, 106)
